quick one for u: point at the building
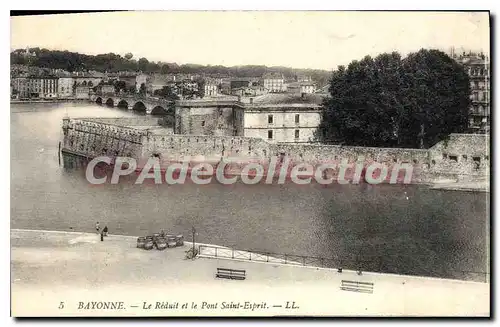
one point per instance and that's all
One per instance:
(301, 87)
(249, 91)
(20, 87)
(65, 87)
(130, 81)
(477, 66)
(283, 118)
(211, 89)
(239, 83)
(157, 82)
(36, 87)
(86, 80)
(274, 83)
(106, 89)
(49, 87)
(82, 92)
(139, 80)
(209, 117)
(276, 118)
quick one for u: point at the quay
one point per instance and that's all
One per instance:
(51, 267)
(60, 100)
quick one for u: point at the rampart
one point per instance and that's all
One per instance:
(461, 156)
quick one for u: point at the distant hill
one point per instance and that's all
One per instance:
(110, 62)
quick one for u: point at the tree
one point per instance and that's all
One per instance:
(439, 90)
(201, 88)
(120, 85)
(165, 69)
(142, 89)
(142, 64)
(128, 56)
(394, 102)
(166, 93)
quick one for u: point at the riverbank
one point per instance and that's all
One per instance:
(49, 100)
(463, 186)
(48, 268)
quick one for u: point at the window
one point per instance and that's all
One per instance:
(445, 156)
(203, 123)
(297, 132)
(270, 134)
(270, 119)
(297, 119)
(454, 158)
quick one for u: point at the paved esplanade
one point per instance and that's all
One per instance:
(50, 267)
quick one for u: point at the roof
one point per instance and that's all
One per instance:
(280, 99)
(273, 76)
(323, 90)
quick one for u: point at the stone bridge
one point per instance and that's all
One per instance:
(151, 106)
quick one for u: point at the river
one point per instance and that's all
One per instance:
(420, 232)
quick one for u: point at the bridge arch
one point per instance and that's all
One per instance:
(122, 104)
(139, 106)
(110, 102)
(98, 100)
(159, 111)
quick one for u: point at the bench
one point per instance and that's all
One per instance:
(230, 273)
(354, 286)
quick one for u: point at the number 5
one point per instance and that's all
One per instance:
(61, 305)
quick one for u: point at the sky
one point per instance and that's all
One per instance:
(312, 39)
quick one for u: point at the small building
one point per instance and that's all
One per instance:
(301, 87)
(106, 89)
(139, 80)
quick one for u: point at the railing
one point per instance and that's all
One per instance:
(289, 259)
(356, 263)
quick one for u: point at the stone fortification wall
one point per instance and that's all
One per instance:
(92, 139)
(123, 121)
(459, 156)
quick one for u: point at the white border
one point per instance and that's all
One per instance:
(197, 5)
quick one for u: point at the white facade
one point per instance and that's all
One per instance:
(282, 125)
(65, 87)
(275, 84)
(211, 89)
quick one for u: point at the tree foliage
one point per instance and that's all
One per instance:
(110, 62)
(393, 102)
(142, 89)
